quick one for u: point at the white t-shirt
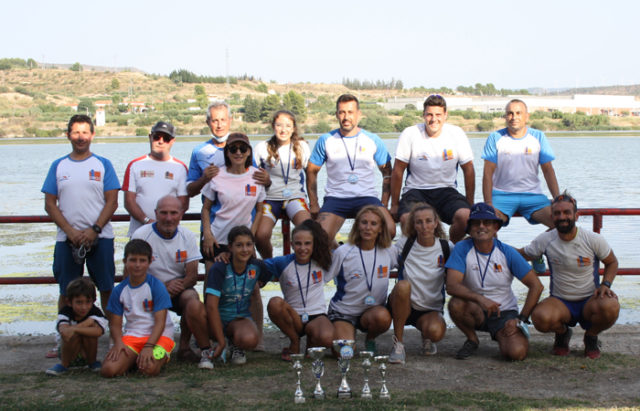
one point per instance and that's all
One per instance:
(573, 264)
(302, 284)
(432, 161)
(238, 195)
(170, 255)
(151, 180)
(424, 269)
(356, 281)
(364, 151)
(284, 167)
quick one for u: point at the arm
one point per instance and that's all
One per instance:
(524, 255)
(191, 274)
(550, 177)
(115, 330)
(455, 288)
(52, 209)
(215, 323)
(133, 208)
(610, 270)
(469, 181)
(194, 187)
(487, 181)
(145, 359)
(258, 217)
(208, 240)
(185, 203)
(312, 188)
(399, 167)
(386, 183)
(533, 295)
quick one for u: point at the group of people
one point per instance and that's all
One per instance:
(244, 193)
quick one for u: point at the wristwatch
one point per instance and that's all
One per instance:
(96, 228)
(146, 220)
(607, 283)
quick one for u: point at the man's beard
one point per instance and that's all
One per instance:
(566, 228)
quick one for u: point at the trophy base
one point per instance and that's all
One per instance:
(366, 396)
(299, 400)
(385, 396)
(343, 395)
(320, 396)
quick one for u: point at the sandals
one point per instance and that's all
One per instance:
(286, 354)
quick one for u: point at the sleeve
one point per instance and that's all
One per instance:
(110, 178)
(64, 317)
(546, 152)
(209, 191)
(306, 152)
(96, 315)
(319, 154)
(276, 265)
(195, 172)
(465, 154)
(490, 151)
(50, 185)
(193, 251)
(537, 247)
(265, 274)
(518, 266)
(393, 253)
(336, 262)
(115, 306)
(381, 156)
(215, 279)
(182, 180)
(160, 295)
(403, 149)
(258, 156)
(458, 258)
(600, 246)
(129, 181)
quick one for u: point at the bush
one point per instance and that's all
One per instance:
(142, 132)
(122, 122)
(484, 125)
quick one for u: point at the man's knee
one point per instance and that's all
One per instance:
(457, 307)
(513, 344)
(402, 291)
(545, 318)
(461, 216)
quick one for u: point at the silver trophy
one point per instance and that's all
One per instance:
(298, 397)
(344, 348)
(366, 365)
(382, 360)
(317, 367)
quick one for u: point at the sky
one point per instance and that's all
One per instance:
(512, 44)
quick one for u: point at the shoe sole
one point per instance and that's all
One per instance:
(205, 366)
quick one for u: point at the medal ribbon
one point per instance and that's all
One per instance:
(235, 288)
(303, 297)
(286, 177)
(486, 267)
(351, 164)
(373, 269)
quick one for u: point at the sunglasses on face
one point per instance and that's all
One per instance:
(166, 138)
(242, 147)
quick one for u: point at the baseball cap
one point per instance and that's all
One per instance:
(483, 211)
(163, 127)
(238, 137)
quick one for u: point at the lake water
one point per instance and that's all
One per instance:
(598, 171)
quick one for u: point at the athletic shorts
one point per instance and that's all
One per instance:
(493, 324)
(175, 302)
(446, 201)
(274, 209)
(413, 316)
(99, 263)
(304, 325)
(221, 248)
(347, 207)
(576, 308)
(137, 343)
(226, 323)
(524, 204)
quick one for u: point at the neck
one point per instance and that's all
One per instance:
(283, 143)
(518, 134)
(426, 241)
(238, 266)
(136, 281)
(302, 261)
(351, 133)
(366, 245)
(568, 236)
(80, 156)
(236, 169)
(483, 246)
(159, 156)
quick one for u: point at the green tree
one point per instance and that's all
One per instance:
(76, 67)
(31, 63)
(199, 90)
(406, 121)
(262, 88)
(294, 102)
(203, 100)
(252, 109)
(377, 122)
(116, 99)
(270, 104)
(86, 106)
(115, 84)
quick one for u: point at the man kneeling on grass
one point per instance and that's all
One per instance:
(143, 301)
(80, 324)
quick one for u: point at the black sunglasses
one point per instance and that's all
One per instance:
(167, 138)
(242, 147)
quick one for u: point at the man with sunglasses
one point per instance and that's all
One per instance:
(431, 152)
(577, 294)
(480, 271)
(150, 177)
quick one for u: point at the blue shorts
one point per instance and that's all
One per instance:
(492, 324)
(99, 262)
(576, 308)
(523, 203)
(274, 209)
(347, 207)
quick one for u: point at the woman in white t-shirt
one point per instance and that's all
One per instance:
(284, 156)
(418, 297)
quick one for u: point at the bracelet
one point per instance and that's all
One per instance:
(524, 319)
(146, 220)
(607, 283)
(386, 177)
(149, 345)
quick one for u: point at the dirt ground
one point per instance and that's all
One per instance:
(614, 379)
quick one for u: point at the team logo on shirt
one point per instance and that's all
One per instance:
(94, 175)
(250, 191)
(317, 276)
(147, 173)
(497, 267)
(440, 261)
(361, 149)
(147, 305)
(423, 157)
(168, 175)
(181, 256)
(527, 150)
(447, 154)
(383, 271)
(583, 261)
(251, 274)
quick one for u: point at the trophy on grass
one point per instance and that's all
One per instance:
(344, 348)
(382, 360)
(317, 367)
(298, 397)
(366, 365)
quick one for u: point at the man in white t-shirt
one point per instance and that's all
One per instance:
(576, 294)
(175, 263)
(351, 155)
(153, 176)
(431, 153)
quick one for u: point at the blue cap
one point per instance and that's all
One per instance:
(483, 211)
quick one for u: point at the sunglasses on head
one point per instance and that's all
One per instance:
(242, 147)
(167, 138)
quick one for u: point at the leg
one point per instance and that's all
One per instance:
(243, 333)
(513, 344)
(388, 219)
(257, 313)
(602, 313)
(432, 326)
(104, 299)
(543, 216)
(320, 332)
(458, 226)
(156, 367)
(344, 330)
(400, 307)
(263, 237)
(90, 348)
(70, 350)
(551, 315)
(194, 319)
(331, 224)
(376, 320)
(125, 361)
(300, 216)
(287, 320)
(467, 316)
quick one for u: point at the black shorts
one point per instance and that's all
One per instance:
(216, 250)
(311, 318)
(353, 320)
(413, 316)
(175, 302)
(446, 201)
(494, 323)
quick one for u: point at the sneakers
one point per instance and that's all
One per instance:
(57, 370)
(52, 353)
(370, 345)
(205, 360)
(397, 355)
(561, 343)
(538, 265)
(468, 349)
(591, 346)
(429, 347)
(96, 366)
(238, 357)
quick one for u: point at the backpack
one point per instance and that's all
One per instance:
(407, 248)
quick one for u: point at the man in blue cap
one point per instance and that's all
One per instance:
(480, 271)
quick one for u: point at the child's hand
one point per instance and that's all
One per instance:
(145, 359)
(224, 257)
(66, 332)
(115, 351)
(219, 349)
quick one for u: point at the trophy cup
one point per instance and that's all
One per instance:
(298, 397)
(317, 367)
(344, 348)
(384, 392)
(366, 365)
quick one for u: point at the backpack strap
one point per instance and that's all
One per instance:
(403, 255)
(445, 249)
